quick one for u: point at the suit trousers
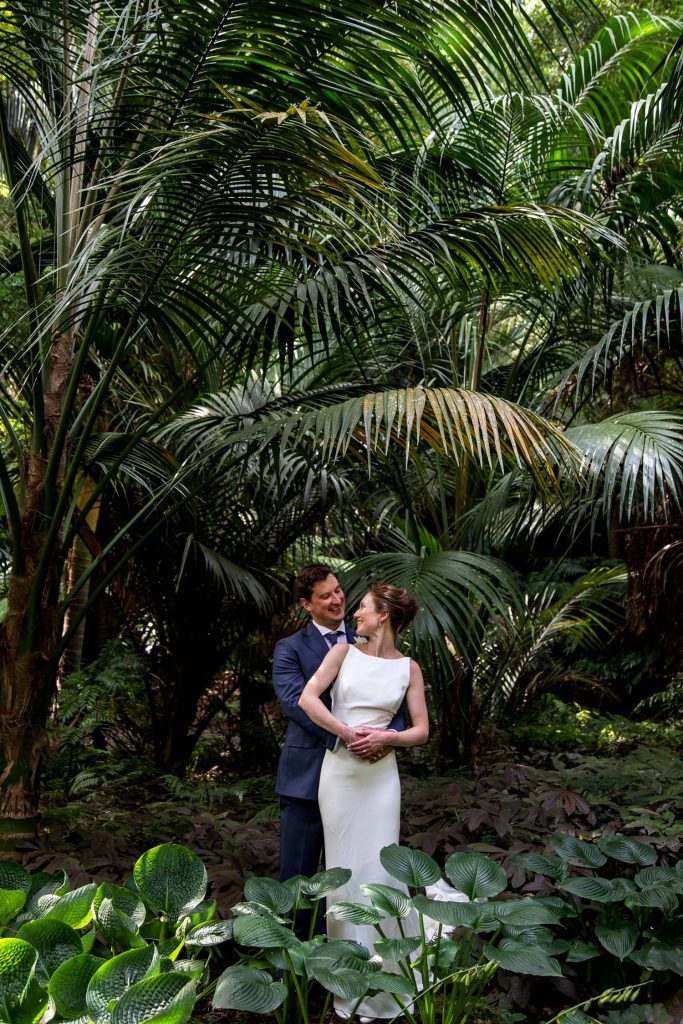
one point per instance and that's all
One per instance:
(301, 849)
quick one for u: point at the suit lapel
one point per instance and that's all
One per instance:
(314, 640)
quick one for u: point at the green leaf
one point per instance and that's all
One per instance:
(665, 877)
(342, 981)
(618, 941)
(117, 928)
(210, 934)
(268, 893)
(590, 888)
(627, 850)
(69, 984)
(55, 942)
(393, 902)
(17, 964)
(14, 877)
(394, 950)
(165, 998)
(577, 851)
(116, 976)
(553, 867)
(581, 951)
(385, 981)
(657, 956)
(262, 932)
(325, 882)
(170, 878)
(653, 896)
(74, 908)
(516, 956)
(11, 902)
(523, 913)
(412, 867)
(475, 875)
(243, 988)
(356, 913)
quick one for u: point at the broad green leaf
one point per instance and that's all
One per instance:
(210, 934)
(394, 950)
(15, 885)
(657, 956)
(117, 928)
(268, 893)
(581, 951)
(618, 941)
(666, 877)
(243, 988)
(412, 867)
(475, 875)
(553, 867)
(453, 915)
(122, 898)
(47, 888)
(11, 902)
(170, 878)
(17, 964)
(74, 908)
(325, 882)
(653, 896)
(55, 942)
(262, 932)
(577, 851)
(627, 850)
(164, 998)
(385, 981)
(69, 984)
(523, 913)
(342, 981)
(590, 888)
(34, 1007)
(203, 913)
(393, 902)
(357, 913)
(116, 976)
(516, 956)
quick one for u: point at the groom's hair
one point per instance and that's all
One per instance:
(309, 576)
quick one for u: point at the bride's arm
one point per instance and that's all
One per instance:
(371, 741)
(310, 701)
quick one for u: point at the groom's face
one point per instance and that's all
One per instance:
(326, 604)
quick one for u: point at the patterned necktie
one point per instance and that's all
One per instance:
(332, 638)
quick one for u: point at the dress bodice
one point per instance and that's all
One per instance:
(369, 690)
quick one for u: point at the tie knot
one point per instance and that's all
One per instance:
(332, 637)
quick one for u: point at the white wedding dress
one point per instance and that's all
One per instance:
(360, 804)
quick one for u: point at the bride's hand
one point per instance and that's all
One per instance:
(370, 744)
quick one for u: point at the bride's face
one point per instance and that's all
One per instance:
(368, 618)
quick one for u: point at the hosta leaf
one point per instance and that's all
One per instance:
(590, 888)
(657, 956)
(451, 914)
(11, 902)
(394, 950)
(122, 899)
(342, 981)
(270, 894)
(412, 867)
(262, 932)
(621, 888)
(618, 941)
(627, 850)
(117, 928)
(666, 877)
(384, 981)
(535, 936)
(475, 875)
(116, 976)
(244, 988)
(210, 934)
(524, 912)
(325, 881)
(577, 851)
(17, 963)
(344, 953)
(165, 998)
(15, 885)
(74, 908)
(356, 913)
(55, 942)
(43, 886)
(582, 951)
(387, 899)
(653, 896)
(34, 1007)
(553, 867)
(69, 984)
(516, 956)
(170, 878)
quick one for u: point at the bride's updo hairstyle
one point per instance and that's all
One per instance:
(400, 605)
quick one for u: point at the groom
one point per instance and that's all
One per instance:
(296, 659)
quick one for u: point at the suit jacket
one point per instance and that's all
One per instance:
(295, 660)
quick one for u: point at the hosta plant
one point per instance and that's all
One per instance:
(107, 953)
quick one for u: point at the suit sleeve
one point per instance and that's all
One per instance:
(288, 681)
(400, 720)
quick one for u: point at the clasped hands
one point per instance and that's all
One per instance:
(367, 743)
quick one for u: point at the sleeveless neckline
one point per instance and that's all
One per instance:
(378, 657)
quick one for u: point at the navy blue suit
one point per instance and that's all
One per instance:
(295, 660)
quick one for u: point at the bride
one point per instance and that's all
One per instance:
(360, 800)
